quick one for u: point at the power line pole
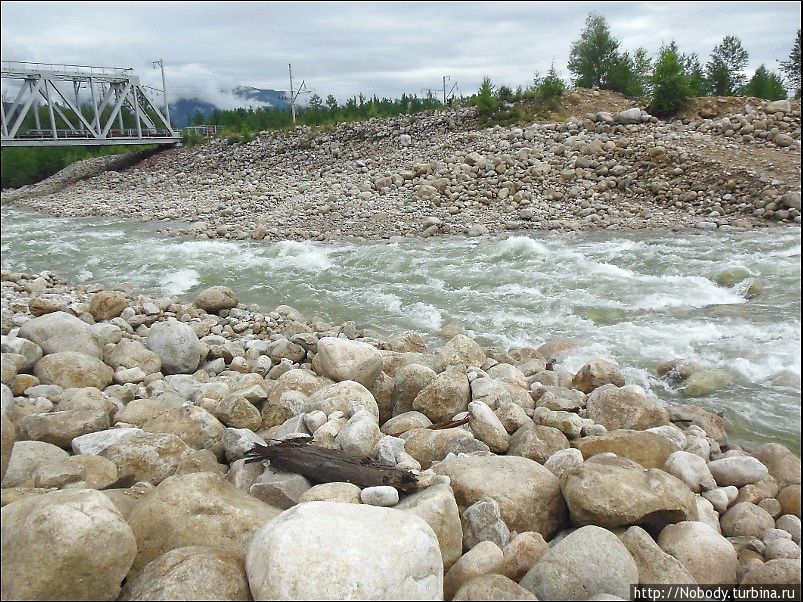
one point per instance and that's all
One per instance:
(295, 94)
(450, 93)
(161, 64)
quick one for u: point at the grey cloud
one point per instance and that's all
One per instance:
(376, 48)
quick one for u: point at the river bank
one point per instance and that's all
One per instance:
(171, 392)
(440, 173)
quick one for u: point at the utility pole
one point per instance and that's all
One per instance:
(161, 64)
(447, 95)
(294, 95)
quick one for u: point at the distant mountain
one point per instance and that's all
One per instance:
(183, 109)
(275, 98)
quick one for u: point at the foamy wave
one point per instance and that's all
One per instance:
(608, 269)
(427, 316)
(518, 246)
(192, 248)
(518, 289)
(390, 302)
(793, 252)
(306, 256)
(178, 283)
(757, 372)
(692, 291)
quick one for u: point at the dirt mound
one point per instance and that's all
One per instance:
(576, 102)
(709, 107)
(579, 101)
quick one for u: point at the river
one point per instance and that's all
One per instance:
(638, 298)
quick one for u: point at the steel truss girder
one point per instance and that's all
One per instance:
(118, 88)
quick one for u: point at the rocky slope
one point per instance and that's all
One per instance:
(126, 419)
(730, 162)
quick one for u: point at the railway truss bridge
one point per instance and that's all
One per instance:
(78, 105)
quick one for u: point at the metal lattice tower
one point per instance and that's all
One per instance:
(97, 121)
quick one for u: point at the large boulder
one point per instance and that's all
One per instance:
(492, 587)
(343, 359)
(528, 494)
(8, 437)
(651, 450)
(328, 550)
(737, 471)
(483, 559)
(150, 457)
(713, 424)
(408, 383)
(625, 407)
(58, 332)
(487, 427)
(521, 554)
(597, 373)
(629, 116)
(65, 545)
(196, 509)
(428, 445)
(654, 565)
(780, 571)
(106, 305)
(26, 458)
(139, 411)
(190, 573)
(783, 465)
(709, 557)
(215, 298)
(587, 562)
(60, 428)
(69, 370)
(460, 351)
(614, 496)
(691, 469)
(705, 382)
(340, 396)
(194, 425)
(745, 520)
(133, 354)
(29, 351)
(537, 442)
(789, 498)
(177, 346)
(446, 395)
(437, 506)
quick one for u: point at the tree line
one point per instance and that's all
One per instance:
(596, 60)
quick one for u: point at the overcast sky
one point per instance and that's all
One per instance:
(377, 48)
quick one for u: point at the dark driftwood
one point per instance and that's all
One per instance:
(449, 424)
(327, 465)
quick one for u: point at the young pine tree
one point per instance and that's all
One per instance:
(765, 84)
(791, 68)
(671, 86)
(486, 101)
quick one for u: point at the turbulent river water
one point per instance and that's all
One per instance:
(638, 298)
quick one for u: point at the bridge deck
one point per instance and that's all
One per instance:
(86, 141)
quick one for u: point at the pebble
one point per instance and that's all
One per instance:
(380, 496)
